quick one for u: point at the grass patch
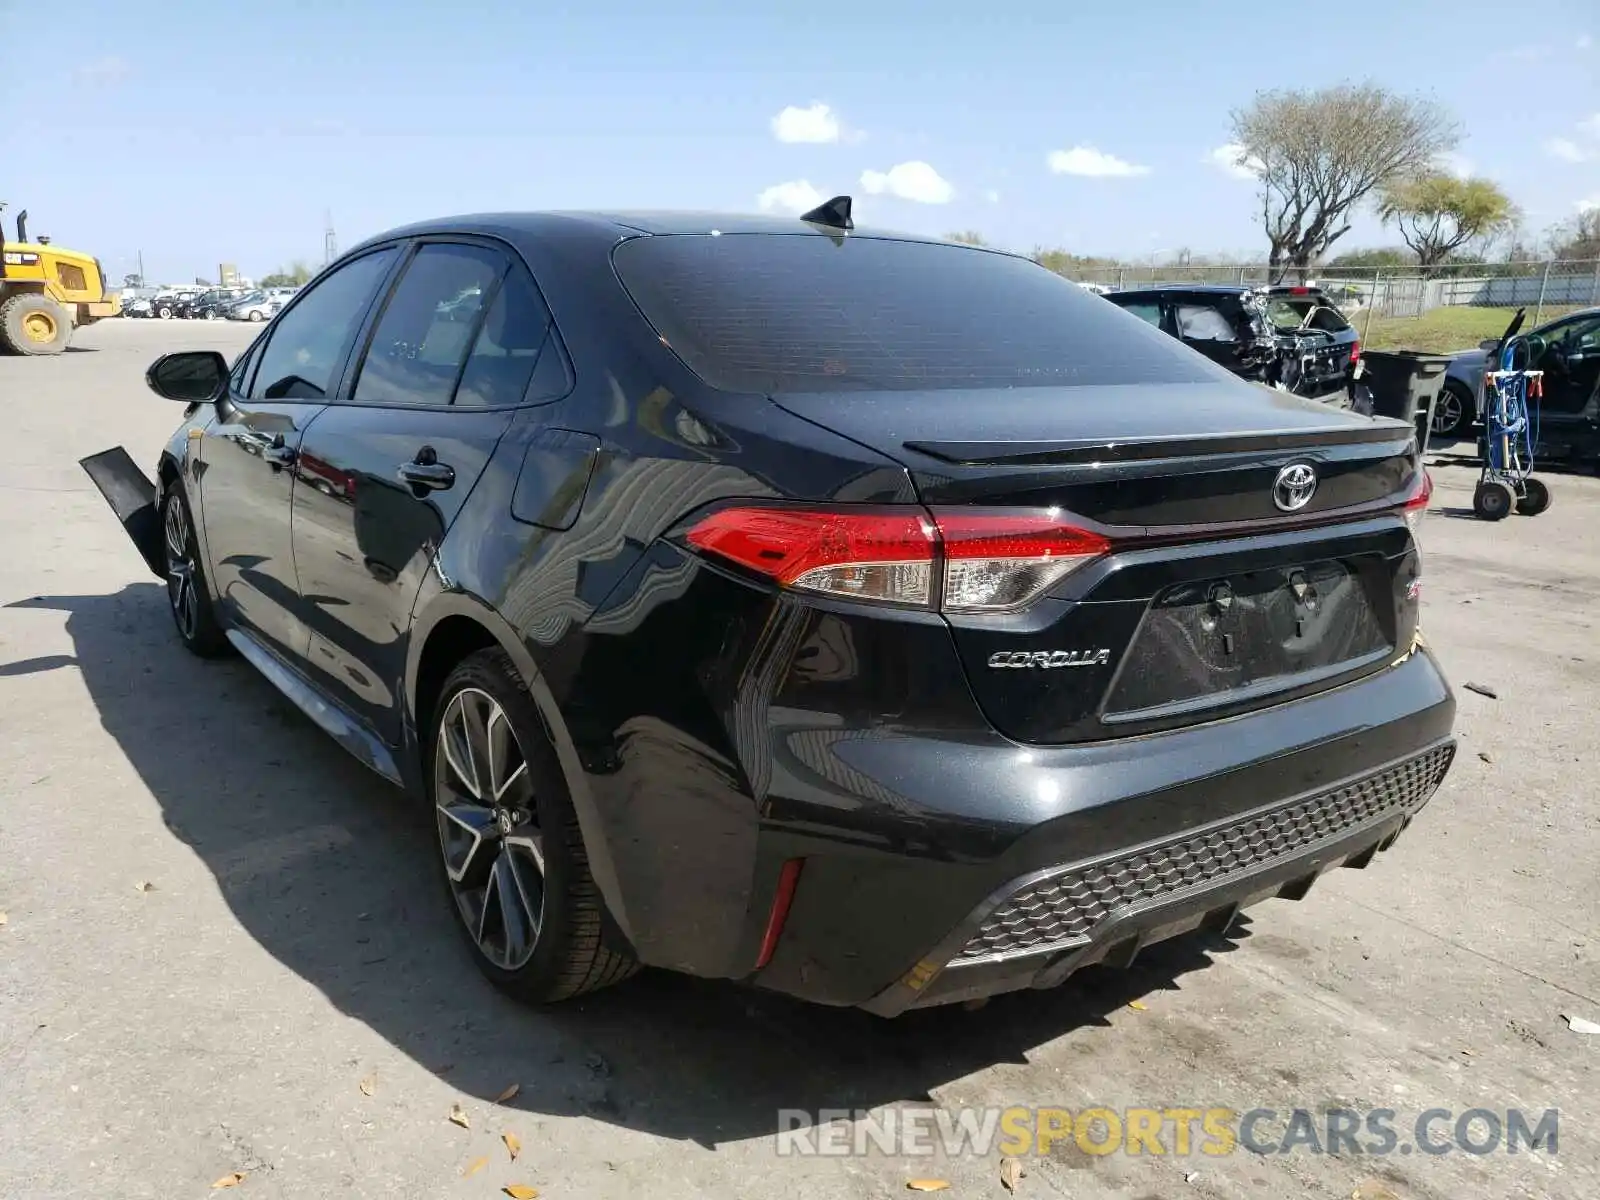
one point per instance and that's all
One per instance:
(1454, 327)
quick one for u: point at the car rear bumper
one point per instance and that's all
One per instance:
(1041, 928)
(1089, 852)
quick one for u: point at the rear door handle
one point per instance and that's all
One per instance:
(427, 473)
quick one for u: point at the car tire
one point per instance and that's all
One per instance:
(511, 856)
(255, 314)
(1535, 498)
(188, 593)
(1492, 500)
(1453, 413)
(34, 324)
(164, 312)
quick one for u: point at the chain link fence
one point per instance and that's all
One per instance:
(1396, 291)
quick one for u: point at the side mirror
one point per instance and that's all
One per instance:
(1488, 343)
(189, 376)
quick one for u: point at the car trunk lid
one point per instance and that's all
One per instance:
(1229, 585)
(1143, 459)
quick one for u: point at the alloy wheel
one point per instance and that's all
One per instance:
(488, 828)
(180, 570)
(1447, 413)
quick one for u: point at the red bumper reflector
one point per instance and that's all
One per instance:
(788, 878)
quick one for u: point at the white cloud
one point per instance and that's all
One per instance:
(796, 196)
(1589, 205)
(819, 123)
(909, 181)
(1452, 163)
(992, 196)
(1092, 164)
(1591, 126)
(1230, 157)
(1566, 150)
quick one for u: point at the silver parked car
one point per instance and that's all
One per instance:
(257, 306)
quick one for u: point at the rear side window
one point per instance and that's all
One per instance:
(428, 326)
(515, 335)
(775, 313)
(1202, 323)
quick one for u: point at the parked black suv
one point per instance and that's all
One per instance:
(210, 305)
(877, 620)
(1290, 337)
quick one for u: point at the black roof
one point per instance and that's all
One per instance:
(614, 225)
(1218, 288)
(1223, 289)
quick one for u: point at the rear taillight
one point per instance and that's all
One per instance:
(995, 562)
(1355, 351)
(885, 556)
(1416, 504)
(955, 560)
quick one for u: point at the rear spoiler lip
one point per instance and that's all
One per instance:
(1087, 452)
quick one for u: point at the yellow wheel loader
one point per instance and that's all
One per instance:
(45, 292)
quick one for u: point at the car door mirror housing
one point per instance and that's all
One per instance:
(189, 376)
(1488, 343)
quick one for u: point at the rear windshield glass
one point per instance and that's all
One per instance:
(774, 313)
(1310, 312)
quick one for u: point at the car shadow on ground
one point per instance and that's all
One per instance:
(332, 872)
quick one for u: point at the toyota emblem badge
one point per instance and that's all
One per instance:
(1293, 488)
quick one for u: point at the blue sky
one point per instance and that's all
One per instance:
(207, 132)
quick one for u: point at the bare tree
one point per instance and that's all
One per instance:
(967, 237)
(1318, 154)
(1578, 238)
(1437, 213)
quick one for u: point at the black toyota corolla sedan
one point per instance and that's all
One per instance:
(872, 619)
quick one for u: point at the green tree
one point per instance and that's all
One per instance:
(1375, 256)
(1437, 213)
(1063, 262)
(967, 237)
(296, 276)
(1319, 154)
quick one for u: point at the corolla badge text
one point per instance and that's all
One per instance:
(1047, 660)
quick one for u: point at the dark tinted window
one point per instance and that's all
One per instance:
(803, 313)
(428, 325)
(306, 347)
(1145, 310)
(509, 346)
(239, 377)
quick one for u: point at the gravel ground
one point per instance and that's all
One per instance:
(221, 934)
